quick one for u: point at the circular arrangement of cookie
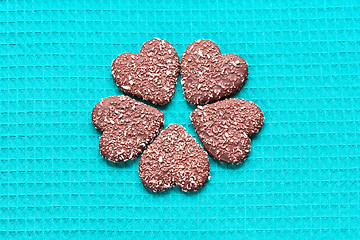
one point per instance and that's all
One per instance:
(174, 157)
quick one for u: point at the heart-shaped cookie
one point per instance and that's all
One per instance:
(224, 128)
(151, 74)
(128, 127)
(207, 76)
(174, 158)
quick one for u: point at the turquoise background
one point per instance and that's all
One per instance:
(302, 178)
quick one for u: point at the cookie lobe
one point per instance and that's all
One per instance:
(207, 76)
(151, 74)
(224, 128)
(128, 126)
(174, 158)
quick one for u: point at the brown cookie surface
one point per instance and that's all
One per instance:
(224, 128)
(207, 76)
(128, 127)
(174, 158)
(151, 74)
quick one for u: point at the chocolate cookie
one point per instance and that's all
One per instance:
(151, 74)
(207, 76)
(224, 128)
(128, 127)
(174, 158)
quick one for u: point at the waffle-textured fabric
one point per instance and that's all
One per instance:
(301, 180)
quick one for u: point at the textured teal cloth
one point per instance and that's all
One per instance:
(301, 180)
